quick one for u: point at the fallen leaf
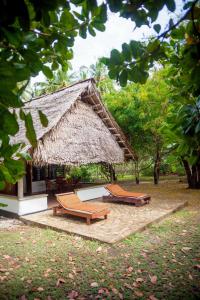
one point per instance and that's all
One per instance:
(2, 278)
(139, 280)
(7, 257)
(128, 286)
(40, 289)
(144, 254)
(186, 249)
(73, 294)
(197, 267)
(70, 258)
(120, 296)
(3, 270)
(190, 277)
(130, 269)
(29, 281)
(99, 249)
(60, 281)
(153, 279)
(52, 259)
(94, 284)
(100, 291)
(138, 293)
(115, 291)
(46, 274)
(152, 297)
(71, 276)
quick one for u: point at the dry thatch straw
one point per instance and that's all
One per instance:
(80, 129)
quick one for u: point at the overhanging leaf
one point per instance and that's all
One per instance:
(157, 28)
(30, 131)
(43, 118)
(47, 72)
(171, 5)
(123, 76)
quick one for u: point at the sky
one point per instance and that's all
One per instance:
(118, 30)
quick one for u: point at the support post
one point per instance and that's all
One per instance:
(29, 178)
(20, 192)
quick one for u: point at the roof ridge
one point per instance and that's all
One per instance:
(61, 89)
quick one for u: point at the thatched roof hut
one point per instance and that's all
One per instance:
(80, 128)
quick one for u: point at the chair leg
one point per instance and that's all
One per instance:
(88, 221)
(54, 211)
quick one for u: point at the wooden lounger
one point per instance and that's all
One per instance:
(70, 204)
(117, 194)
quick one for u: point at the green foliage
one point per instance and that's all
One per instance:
(80, 173)
(43, 118)
(59, 80)
(137, 58)
(39, 36)
(141, 111)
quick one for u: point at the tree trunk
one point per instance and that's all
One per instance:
(113, 177)
(137, 172)
(108, 171)
(156, 169)
(193, 174)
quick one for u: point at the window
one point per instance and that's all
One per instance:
(39, 173)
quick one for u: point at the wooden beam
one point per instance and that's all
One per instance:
(96, 105)
(112, 128)
(29, 178)
(128, 154)
(100, 112)
(20, 189)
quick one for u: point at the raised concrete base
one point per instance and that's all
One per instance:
(26, 205)
(123, 220)
(90, 193)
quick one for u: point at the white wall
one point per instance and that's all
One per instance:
(91, 193)
(12, 203)
(38, 186)
(27, 205)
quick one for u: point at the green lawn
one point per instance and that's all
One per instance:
(162, 262)
(150, 178)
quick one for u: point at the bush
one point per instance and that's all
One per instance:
(79, 174)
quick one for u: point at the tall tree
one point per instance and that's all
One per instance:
(59, 80)
(141, 111)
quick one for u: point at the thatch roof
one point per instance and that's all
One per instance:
(80, 129)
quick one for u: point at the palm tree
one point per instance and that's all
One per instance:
(60, 80)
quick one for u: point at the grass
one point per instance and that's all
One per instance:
(161, 262)
(149, 178)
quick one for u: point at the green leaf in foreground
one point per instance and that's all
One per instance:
(47, 72)
(30, 131)
(43, 118)
(157, 28)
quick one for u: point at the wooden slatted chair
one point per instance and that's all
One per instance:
(118, 194)
(70, 204)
